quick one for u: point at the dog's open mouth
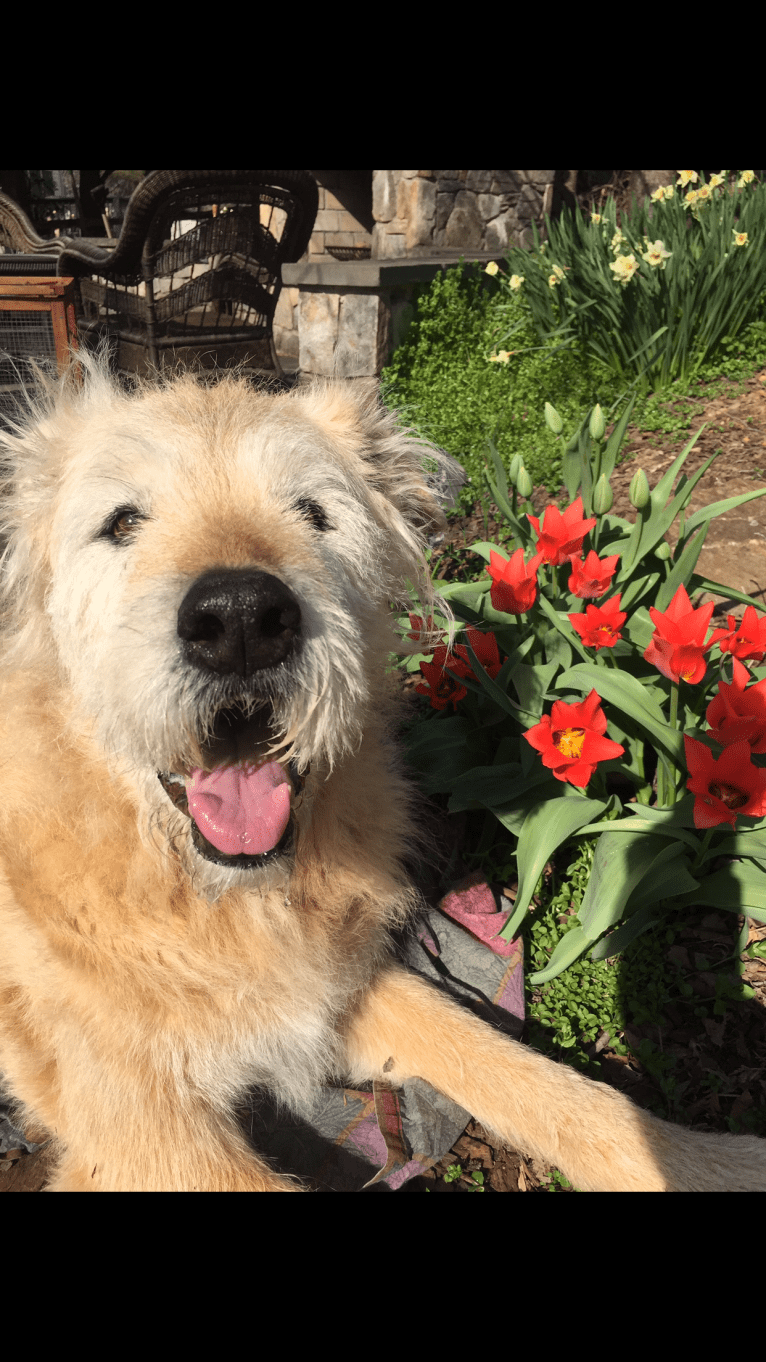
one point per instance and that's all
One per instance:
(240, 804)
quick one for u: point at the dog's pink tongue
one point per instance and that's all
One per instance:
(242, 810)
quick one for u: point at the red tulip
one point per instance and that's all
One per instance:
(443, 689)
(571, 739)
(423, 631)
(725, 787)
(593, 577)
(562, 535)
(747, 639)
(677, 649)
(599, 627)
(514, 582)
(486, 650)
(736, 713)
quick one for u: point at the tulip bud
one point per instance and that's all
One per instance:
(513, 471)
(639, 490)
(553, 420)
(663, 550)
(524, 482)
(602, 496)
(597, 423)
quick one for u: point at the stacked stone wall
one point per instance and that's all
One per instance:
(420, 213)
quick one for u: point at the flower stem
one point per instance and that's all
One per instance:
(702, 853)
(667, 773)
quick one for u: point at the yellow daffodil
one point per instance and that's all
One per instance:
(624, 267)
(655, 254)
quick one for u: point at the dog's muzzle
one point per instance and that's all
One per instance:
(240, 625)
(239, 622)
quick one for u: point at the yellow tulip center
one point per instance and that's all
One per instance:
(569, 741)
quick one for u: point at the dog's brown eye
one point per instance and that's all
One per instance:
(122, 524)
(313, 512)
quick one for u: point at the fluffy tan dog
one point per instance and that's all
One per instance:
(202, 816)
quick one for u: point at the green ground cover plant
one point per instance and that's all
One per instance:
(595, 999)
(445, 388)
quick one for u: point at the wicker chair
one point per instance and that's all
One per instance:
(196, 273)
(18, 234)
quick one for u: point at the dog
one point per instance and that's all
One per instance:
(204, 821)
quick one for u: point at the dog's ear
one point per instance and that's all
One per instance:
(416, 477)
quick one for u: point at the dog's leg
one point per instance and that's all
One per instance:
(228, 1171)
(120, 1137)
(407, 1028)
(225, 1169)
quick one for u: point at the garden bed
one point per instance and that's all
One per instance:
(734, 415)
(704, 1071)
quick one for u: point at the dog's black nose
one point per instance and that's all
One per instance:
(238, 621)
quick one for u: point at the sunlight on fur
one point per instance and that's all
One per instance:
(205, 819)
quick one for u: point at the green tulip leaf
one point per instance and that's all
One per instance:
(720, 507)
(665, 880)
(638, 923)
(561, 623)
(739, 887)
(619, 864)
(546, 826)
(682, 569)
(615, 440)
(638, 587)
(718, 589)
(532, 685)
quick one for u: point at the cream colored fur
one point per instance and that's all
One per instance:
(143, 988)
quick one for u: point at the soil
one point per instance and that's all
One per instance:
(729, 1050)
(734, 424)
